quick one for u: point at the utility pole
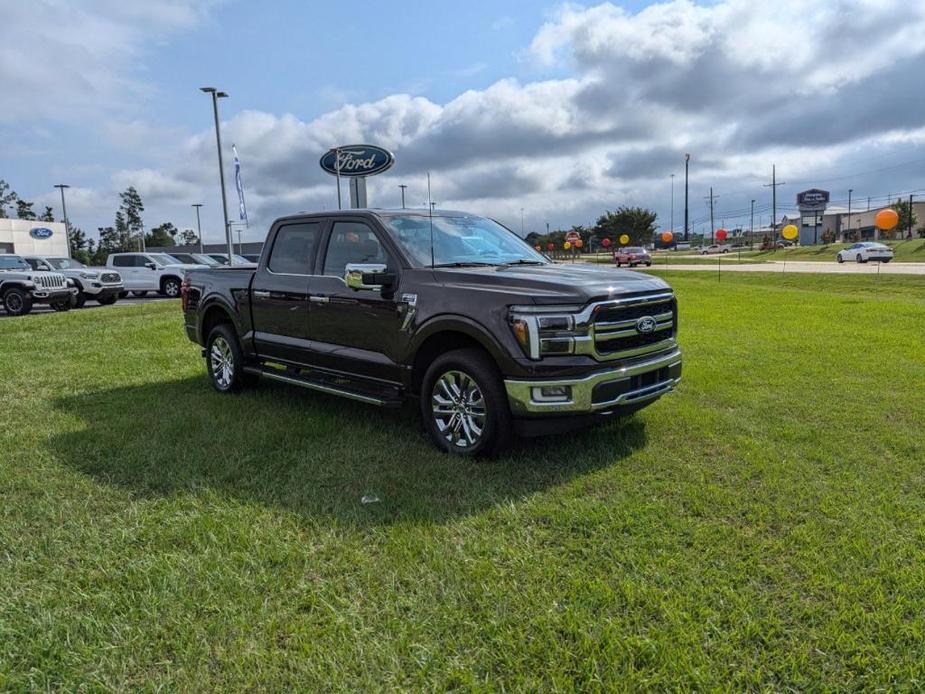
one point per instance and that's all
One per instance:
(672, 204)
(197, 205)
(844, 238)
(216, 95)
(402, 186)
(910, 215)
(687, 161)
(67, 226)
(521, 222)
(712, 223)
(773, 186)
(751, 226)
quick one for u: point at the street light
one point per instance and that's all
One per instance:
(521, 222)
(67, 226)
(197, 205)
(216, 95)
(402, 186)
(687, 161)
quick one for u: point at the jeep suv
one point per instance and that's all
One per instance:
(21, 287)
(100, 284)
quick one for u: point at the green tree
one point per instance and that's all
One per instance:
(163, 235)
(48, 215)
(131, 208)
(188, 237)
(24, 209)
(8, 198)
(637, 222)
(110, 242)
(121, 231)
(907, 218)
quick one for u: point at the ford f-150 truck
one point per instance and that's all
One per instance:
(450, 308)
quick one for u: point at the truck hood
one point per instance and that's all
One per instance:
(556, 283)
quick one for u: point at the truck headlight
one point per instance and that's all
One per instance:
(545, 331)
(89, 275)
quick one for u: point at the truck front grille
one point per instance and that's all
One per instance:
(110, 277)
(616, 327)
(50, 281)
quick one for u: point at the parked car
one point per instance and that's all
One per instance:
(150, 272)
(632, 256)
(21, 287)
(99, 284)
(682, 246)
(865, 251)
(714, 249)
(195, 259)
(784, 243)
(383, 306)
(223, 258)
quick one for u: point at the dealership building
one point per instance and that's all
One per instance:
(31, 237)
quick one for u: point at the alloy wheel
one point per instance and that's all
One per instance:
(222, 362)
(13, 302)
(458, 409)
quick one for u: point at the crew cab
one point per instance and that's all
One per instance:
(21, 287)
(91, 282)
(150, 272)
(632, 256)
(491, 337)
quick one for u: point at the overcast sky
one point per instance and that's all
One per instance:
(562, 110)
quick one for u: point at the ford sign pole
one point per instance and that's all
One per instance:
(216, 95)
(67, 226)
(337, 169)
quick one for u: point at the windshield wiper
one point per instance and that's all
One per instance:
(521, 261)
(466, 264)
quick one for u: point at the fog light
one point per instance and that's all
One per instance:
(552, 393)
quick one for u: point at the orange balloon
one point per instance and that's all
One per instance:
(667, 236)
(566, 245)
(886, 219)
(579, 243)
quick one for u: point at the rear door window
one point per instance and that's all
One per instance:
(294, 249)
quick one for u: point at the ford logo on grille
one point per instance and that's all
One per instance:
(646, 325)
(41, 233)
(357, 160)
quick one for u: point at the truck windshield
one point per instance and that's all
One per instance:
(65, 264)
(461, 240)
(164, 259)
(13, 262)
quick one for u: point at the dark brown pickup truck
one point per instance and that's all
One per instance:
(452, 309)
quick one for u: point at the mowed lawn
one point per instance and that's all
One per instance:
(763, 527)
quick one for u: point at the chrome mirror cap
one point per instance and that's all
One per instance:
(354, 272)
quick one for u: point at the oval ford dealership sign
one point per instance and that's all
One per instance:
(358, 160)
(41, 233)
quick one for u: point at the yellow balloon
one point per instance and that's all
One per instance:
(624, 239)
(790, 232)
(566, 245)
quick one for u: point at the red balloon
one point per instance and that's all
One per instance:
(721, 234)
(605, 243)
(550, 246)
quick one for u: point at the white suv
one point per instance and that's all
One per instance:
(92, 282)
(21, 287)
(150, 272)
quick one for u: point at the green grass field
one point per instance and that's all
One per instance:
(761, 528)
(907, 250)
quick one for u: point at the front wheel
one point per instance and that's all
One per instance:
(17, 302)
(464, 405)
(106, 300)
(839, 258)
(171, 287)
(61, 305)
(859, 258)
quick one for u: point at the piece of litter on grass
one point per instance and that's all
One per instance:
(369, 499)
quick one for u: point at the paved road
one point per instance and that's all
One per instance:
(93, 306)
(802, 266)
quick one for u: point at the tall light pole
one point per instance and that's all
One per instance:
(402, 186)
(197, 205)
(67, 225)
(216, 95)
(687, 161)
(850, 191)
(751, 226)
(521, 222)
(672, 204)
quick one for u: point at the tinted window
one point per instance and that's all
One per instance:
(123, 261)
(294, 249)
(33, 263)
(13, 262)
(351, 242)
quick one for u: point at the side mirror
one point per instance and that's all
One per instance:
(151, 266)
(371, 276)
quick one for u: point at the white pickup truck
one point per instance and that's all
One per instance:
(96, 283)
(150, 272)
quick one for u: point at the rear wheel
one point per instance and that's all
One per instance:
(17, 302)
(80, 300)
(139, 294)
(464, 405)
(225, 360)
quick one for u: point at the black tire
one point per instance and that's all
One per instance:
(618, 263)
(81, 300)
(859, 258)
(64, 305)
(725, 250)
(122, 295)
(886, 260)
(223, 344)
(649, 264)
(170, 287)
(457, 431)
(839, 258)
(107, 300)
(17, 302)
(140, 294)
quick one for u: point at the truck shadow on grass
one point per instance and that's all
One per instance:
(310, 454)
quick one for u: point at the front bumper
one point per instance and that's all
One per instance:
(627, 387)
(97, 289)
(48, 296)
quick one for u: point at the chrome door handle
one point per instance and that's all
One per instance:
(316, 299)
(260, 294)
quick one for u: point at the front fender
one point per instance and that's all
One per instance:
(469, 327)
